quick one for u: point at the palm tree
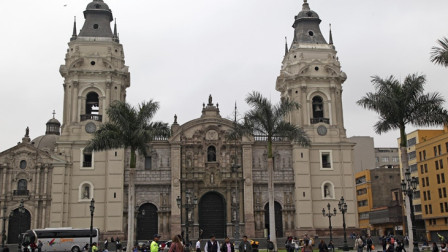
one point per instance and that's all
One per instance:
(399, 104)
(129, 128)
(439, 55)
(267, 119)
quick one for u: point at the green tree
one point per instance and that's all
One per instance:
(268, 120)
(401, 104)
(439, 55)
(131, 129)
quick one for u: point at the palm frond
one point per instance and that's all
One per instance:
(439, 55)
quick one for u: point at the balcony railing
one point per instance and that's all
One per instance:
(98, 118)
(21, 192)
(264, 138)
(86, 164)
(320, 120)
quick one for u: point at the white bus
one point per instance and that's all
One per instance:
(60, 239)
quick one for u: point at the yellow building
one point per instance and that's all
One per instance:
(432, 158)
(363, 198)
(414, 138)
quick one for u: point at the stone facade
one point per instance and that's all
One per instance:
(228, 179)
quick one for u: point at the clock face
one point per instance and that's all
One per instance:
(322, 130)
(90, 127)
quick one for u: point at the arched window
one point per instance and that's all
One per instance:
(22, 185)
(318, 107)
(211, 154)
(92, 104)
(327, 190)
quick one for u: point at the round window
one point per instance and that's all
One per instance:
(22, 164)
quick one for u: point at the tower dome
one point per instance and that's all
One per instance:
(98, 16)
(306, 26)
(48, 141)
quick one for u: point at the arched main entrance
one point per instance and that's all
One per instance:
(278, 218)
(18, 223)
(212, 215)
(147, 222)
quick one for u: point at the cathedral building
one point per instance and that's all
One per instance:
(226, 181)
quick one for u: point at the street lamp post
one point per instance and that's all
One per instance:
(343, 208)
(329, 215)
(20, 211)
(4, 226)
(408, 185)
(189, 205)
(92, 210)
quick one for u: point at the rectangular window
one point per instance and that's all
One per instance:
(444, 192)
(427, 181)
(362, 203)
(441, 207)
(421, 169)
(424, 195)
(426, 209)
(361, 180)
(364, 216)
(362, 191)
(446, 220)
(440, 193)
(435, 151)
(418, 208)
(411, 155)
(429, 195)
(325, 160)
(420, 155)
(412, 141)
(385, 159)
(439, 148)
(430, 209)
(423, 182)
(424, 154)
(446, 206)
(377, 159)
(395, 159)
(441, 163)
(438, 179)
(436, 164)
(413, 168)
(442, 176)
(446, 144)
(148, 163)
(415, 195)
(426, 168)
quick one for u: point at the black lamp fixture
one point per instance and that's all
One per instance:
(329, 214)
(190, 203)
(92, 210)
(343, 208)
(408, 186)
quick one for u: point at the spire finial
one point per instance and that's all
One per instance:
(115, 32)
(175, 119)
(305, 6)
(54, 113)
(74, 35)
(331, 36)
(235, 113)
(286, 45)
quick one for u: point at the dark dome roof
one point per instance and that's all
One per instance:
(307, 14)
(53, 121)
(97, 5)
(45, 142)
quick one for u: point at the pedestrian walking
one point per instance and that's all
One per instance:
(369, 243)
(400, 247)
(331, 245)
(212, 245)
(323, 246)
(296, 244)
(307, 247)
(39, 246)
(289, 245)
(106, 244)
(227, 246)
(154, 247)
(359, 244)
(94, 247)
(176, 245)
(198, 245)
(434, 247)
(245, 245)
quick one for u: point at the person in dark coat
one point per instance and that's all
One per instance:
(227, 246)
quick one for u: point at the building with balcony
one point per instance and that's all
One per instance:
(379, 201)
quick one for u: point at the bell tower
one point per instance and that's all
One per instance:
(311, 75)
(95, 75)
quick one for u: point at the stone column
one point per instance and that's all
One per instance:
(106, 104)
(175, 189)
(249, 219)
(74, 107)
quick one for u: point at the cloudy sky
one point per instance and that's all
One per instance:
(180, 51)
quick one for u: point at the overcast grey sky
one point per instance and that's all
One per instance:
(180, 51)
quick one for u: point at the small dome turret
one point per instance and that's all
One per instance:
(53, 126)
(306, 26)
(98, 16)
